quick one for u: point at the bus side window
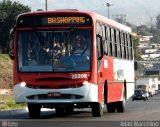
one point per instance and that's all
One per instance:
(120, 45)
(127, 45)
(124, 45)
(99, 47)
(115, 43)
(98, 29)
(105, 47)
(131, 44)
(112, 42)
(109, 41)
(99, 39)
(103, 32)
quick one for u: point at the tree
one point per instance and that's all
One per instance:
(158, 22)
(137, 52)
(143, 30)
(156, 31)
(8, 13)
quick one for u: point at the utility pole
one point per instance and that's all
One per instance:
(108, 5)
(46, 5)
(151, 21)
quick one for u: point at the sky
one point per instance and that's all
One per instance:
(137, 11)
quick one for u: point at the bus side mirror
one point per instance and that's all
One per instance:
(99, 47)
(135, 65)
(11, 43)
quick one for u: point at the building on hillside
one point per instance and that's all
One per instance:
(144, 38)
(151, 56)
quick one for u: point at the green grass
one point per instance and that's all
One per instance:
(5, 57)
(7, 102)
(11, 105)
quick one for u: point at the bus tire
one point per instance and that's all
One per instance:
(121, 104)
(34, 110)
(111, 107)
(97, 109)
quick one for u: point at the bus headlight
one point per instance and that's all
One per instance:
(22, 84)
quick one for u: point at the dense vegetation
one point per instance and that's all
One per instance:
(8, 14)
(6, 70)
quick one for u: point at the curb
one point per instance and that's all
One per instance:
(13, 112)
(18, 111)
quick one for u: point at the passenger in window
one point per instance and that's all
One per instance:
(32, 54)
(57, 50)
(63, 49)
(44, 52)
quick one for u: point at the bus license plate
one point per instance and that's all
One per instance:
(54, 94)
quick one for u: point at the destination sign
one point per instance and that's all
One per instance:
(66, 20)
(52, 20)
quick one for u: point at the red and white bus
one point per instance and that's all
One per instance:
(49, 74)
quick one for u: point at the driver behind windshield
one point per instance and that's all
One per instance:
(81, 46)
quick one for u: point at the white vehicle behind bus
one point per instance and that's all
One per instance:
(147, 84)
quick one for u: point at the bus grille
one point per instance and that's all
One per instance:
(46, 97)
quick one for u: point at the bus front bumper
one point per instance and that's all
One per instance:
(86, 93)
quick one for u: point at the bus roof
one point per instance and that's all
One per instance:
(95, 17)
(111, 22)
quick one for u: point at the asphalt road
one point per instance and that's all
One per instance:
(135, 111)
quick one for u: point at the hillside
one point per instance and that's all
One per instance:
(6, 73)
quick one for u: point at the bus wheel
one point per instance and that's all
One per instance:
(121, 106)
(97, 109)
(34, 110)
(111, 107)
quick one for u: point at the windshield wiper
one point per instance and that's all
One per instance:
(37, 35)
(72, 29)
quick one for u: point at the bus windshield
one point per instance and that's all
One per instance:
(54, 50)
